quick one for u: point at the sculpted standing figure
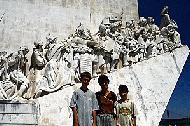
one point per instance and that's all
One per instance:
(165, 20)
(38, 62)
(37, 59)
(152, 28)
(23, 60)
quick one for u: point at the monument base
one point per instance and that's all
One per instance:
(18, 113)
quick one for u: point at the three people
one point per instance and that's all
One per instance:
(101, 108)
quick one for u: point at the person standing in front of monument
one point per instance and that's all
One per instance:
(106, 100)
(126, 114)
(84, 103)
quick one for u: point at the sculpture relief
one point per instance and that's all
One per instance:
(13, 82)
(57, 63)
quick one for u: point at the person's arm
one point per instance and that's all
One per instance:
(134, 120)
(95, 107)
(133, 114)
(74, 109)
(75, 117)
(116, 109)
(94, 118)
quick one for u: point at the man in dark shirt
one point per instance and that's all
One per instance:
(106, 100)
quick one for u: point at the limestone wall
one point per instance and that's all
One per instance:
(26, 21)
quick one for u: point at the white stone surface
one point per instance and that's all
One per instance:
(18, 113)
(27, 21)
(17, 108)
(150, 83)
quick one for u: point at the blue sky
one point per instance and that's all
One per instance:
(179, 10)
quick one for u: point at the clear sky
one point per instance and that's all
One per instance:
(179, 10)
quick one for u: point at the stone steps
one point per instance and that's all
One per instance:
(18, 114)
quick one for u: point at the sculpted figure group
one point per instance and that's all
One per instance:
(118, 43)
(13, 81)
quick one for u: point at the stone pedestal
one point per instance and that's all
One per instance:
(16, 114)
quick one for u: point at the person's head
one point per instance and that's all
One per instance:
(38, 45)
(103, 82)
(85, 78)
(123, 91)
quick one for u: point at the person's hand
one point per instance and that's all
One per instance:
(93, 124)
(76, 123)
(118, 124)
(103, 99)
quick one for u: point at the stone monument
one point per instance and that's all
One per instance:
(66, 38)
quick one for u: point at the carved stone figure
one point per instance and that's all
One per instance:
(177, 39)
(38, 63)
(116, 56)
(54, 49)
(23, 60)
(86, 63)
(55, 76)
(142, 48)
(37, 59)
(152, 28)
(7, 89)
(171, 36)
(165, 20)
(83, 32)
(125, 51)
(102, 30)
(22, 83)
(141, 29)
(133, 52)
(95, 65)
(129, 30)
(75, 68)
(15, 82)
(162, 46)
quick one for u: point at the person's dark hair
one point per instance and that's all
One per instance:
(102, 79)
(85, 74)
(123, 89)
